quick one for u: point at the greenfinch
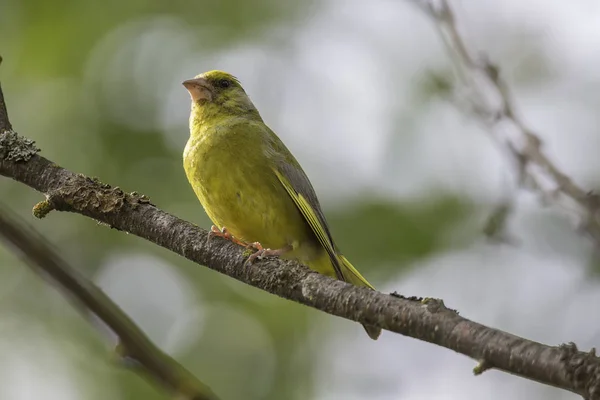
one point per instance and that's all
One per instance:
(251, 186)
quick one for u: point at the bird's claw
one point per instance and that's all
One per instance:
(255, 245)
(257, 255)
(225, 234)
(261, 252)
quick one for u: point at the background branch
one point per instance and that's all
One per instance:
(134, 347)
(489, 99)
(428, 320)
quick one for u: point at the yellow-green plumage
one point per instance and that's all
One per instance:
(250, 183)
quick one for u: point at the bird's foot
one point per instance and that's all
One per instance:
(224, 233)
(261, 252)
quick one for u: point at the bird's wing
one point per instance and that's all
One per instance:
(297, 185)
(300, 190)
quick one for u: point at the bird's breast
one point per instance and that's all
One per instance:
(238, 189)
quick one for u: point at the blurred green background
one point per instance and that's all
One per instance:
(406, 181)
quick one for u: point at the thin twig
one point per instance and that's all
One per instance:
(490, 100)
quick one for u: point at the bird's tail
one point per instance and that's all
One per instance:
(351, 275)
(324, 266)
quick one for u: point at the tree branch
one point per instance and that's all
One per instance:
(428, 320)
(490, 100)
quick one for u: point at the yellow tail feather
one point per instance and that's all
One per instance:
(324, 266)
(351, 275)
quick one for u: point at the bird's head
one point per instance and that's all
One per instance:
(219, 92)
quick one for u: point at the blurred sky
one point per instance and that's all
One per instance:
(406, 178)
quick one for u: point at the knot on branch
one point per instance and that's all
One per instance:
(16, 148)
(582, 370)
(436, 305)
(122, 356)
(495, 227)
(481, 367)
(593, 202)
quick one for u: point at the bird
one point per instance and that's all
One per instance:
(251, 186)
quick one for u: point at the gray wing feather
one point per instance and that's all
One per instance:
(302, 185)
(289, 167)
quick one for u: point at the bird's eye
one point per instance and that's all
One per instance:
(224, 83)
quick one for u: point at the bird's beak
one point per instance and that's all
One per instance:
(199, 89)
